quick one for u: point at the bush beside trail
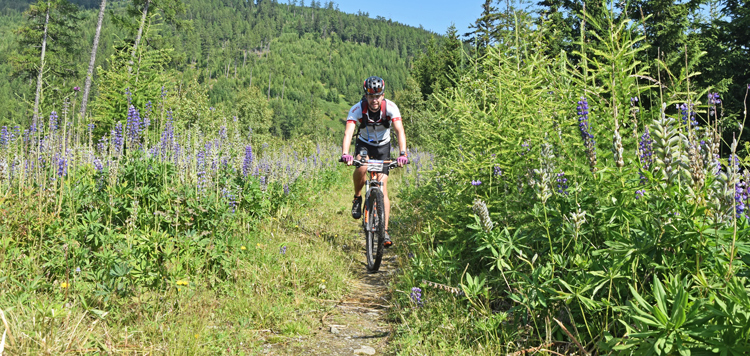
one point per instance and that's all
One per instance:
(572, 218)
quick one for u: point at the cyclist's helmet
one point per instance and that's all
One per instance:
(374, 86)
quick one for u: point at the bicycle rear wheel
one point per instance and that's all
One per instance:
(374, 227)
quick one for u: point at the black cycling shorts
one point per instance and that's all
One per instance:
(382, 153)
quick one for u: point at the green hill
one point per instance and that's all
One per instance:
(307, 61)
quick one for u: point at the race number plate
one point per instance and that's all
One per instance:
(374, 166)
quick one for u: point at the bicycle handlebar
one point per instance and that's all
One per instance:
(363, 162)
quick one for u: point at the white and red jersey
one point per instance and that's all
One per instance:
(375, 132)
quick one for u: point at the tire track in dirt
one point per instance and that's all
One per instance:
(355, 325)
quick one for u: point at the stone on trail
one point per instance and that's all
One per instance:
(365, 350)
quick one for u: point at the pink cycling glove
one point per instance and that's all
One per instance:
(402, 160)
(346, 158)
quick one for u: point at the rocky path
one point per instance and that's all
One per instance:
(354, 325)
(357, 323)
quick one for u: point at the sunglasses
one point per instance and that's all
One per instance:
(374, 91)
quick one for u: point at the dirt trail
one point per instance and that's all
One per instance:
(356, 324)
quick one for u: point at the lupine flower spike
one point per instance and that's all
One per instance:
(416, 296)
(480, 209)
(583, 127)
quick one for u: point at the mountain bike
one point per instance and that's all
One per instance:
(373, 216)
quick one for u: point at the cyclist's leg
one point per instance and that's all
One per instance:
(360, 174)
(359, 179)
(386, 201)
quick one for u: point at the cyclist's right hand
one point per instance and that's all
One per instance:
(347, 158)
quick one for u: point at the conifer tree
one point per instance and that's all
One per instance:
(483, 28)
(46, 46)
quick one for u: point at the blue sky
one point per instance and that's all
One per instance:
(434, 15)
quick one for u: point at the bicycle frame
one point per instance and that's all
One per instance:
(371, 184)
(374, 209)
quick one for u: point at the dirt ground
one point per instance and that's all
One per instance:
(354, 325)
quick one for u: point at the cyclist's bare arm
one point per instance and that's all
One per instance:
(348, 133)
(398, 126)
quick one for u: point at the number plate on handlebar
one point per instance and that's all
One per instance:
(374, 166)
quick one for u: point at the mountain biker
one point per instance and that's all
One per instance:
(374, 115)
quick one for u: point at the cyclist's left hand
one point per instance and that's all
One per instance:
(402, 160)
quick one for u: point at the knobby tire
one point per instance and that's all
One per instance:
(374, 229)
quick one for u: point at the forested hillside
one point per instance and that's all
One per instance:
(307, 62)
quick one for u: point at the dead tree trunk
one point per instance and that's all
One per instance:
(138, 36)
(90, 73)
(140, 28)
(41, 69)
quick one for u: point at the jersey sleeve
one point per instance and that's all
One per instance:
(355, 114)
(392, 111)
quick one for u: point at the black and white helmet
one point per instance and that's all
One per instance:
(374, 86)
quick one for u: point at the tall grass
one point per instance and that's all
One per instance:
(155, 226)
(604, 219)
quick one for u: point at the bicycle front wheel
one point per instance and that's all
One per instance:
(374, 227)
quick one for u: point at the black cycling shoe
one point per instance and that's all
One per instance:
(357, 207)
(387, 240)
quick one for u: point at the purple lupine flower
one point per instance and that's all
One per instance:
(101, 147)
(713, 100)
(134, 127)
(416, 296)
(286, 189)
(230, 197)
(200, 167)
(129, 96)
(639, 193)
(167, 136)
(562, 183)
(223, 132)
(53, 121)
(177, 149)
(476, 182)
(91, 127)
(62, 166)
(525, 145)
(646, 151)
(98, 165)
(4, 136)
(688, 115)
(116, 137)
(498, 171)
(282, 250)
(585, 129)
(741, 198)
(583, 121)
